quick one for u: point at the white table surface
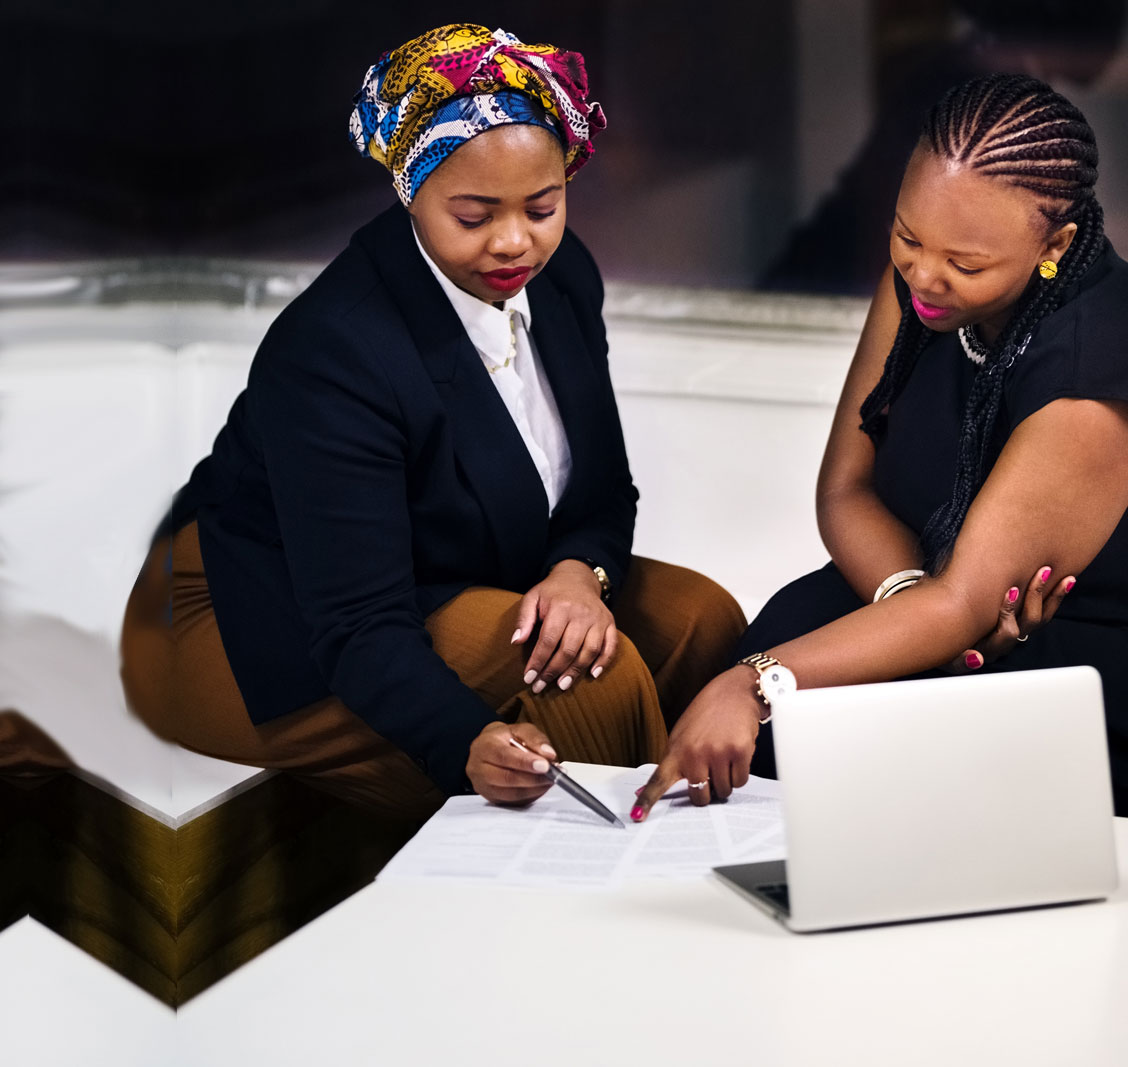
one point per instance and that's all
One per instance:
(60, 1007)
(683, 974)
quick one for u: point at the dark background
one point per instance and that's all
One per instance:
(220, 129)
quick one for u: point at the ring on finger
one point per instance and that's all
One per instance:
(1024, 637)
(699, 785)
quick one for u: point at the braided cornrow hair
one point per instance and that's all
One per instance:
(1018, 129)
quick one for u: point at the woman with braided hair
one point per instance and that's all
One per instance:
(981, 437)
(411, 542)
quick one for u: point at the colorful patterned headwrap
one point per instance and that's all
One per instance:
(423, 100)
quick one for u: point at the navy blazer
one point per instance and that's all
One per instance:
(370, 471)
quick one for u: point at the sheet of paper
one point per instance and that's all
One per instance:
(558, 842)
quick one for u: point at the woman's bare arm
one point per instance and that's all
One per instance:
(865, 540)
(1054, 496)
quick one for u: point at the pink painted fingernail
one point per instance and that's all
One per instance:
(539, 686)
(637, 813)
(596, 672)
(516, 637)
(1045, 575)
(639, 790)
(530, 677)
(1070, 583)
(549, 751)
(540, 766)
(1012, 594)
(973, 660)
(565, 682)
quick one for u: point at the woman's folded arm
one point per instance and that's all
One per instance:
(1054, 496)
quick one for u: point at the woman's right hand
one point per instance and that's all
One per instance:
(711, 744)
(504, 773)
(1018, 618)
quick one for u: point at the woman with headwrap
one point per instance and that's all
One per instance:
(411, 541)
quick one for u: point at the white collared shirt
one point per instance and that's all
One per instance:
(503, 339)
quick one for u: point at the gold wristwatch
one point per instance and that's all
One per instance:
(773, 679)
(602, 577)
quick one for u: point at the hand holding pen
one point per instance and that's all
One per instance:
(504, 774)
(557, 775)
(525, 772)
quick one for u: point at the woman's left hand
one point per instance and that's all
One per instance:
(1017, 620)
(711, 745)
(577, 631)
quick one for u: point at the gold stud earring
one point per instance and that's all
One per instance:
(1048, 269)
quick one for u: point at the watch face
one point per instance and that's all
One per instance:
(604, 580)
(777, 680)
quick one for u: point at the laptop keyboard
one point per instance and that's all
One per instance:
(777, 893)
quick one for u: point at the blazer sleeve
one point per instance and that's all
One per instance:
(603, 529)
(335, 448)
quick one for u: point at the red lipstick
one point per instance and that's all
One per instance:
(507, 280)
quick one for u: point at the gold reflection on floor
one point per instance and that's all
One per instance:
(175, 910)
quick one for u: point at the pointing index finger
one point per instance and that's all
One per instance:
(664, 776)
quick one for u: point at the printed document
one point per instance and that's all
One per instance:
(556, 841)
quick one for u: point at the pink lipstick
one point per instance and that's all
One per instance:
(507, 280)
(928, 311)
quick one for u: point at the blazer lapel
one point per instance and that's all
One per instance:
(567, 363)
(487, 445)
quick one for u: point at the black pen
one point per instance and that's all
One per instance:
(572, 787)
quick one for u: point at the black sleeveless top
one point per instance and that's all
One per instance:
(1081, 350)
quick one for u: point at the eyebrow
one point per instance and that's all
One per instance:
(950, 251)
(497, 200)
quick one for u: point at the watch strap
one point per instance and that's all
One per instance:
(761, 661)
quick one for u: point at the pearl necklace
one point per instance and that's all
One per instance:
(974, 348)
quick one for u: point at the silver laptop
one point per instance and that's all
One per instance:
(919, 799)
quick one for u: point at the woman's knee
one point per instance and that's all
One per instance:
(627, 675)
(623, 686)
(606, 719)
(473, 634)
(714, 612)
(668, 607)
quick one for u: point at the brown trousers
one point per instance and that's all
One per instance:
(682, 626)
